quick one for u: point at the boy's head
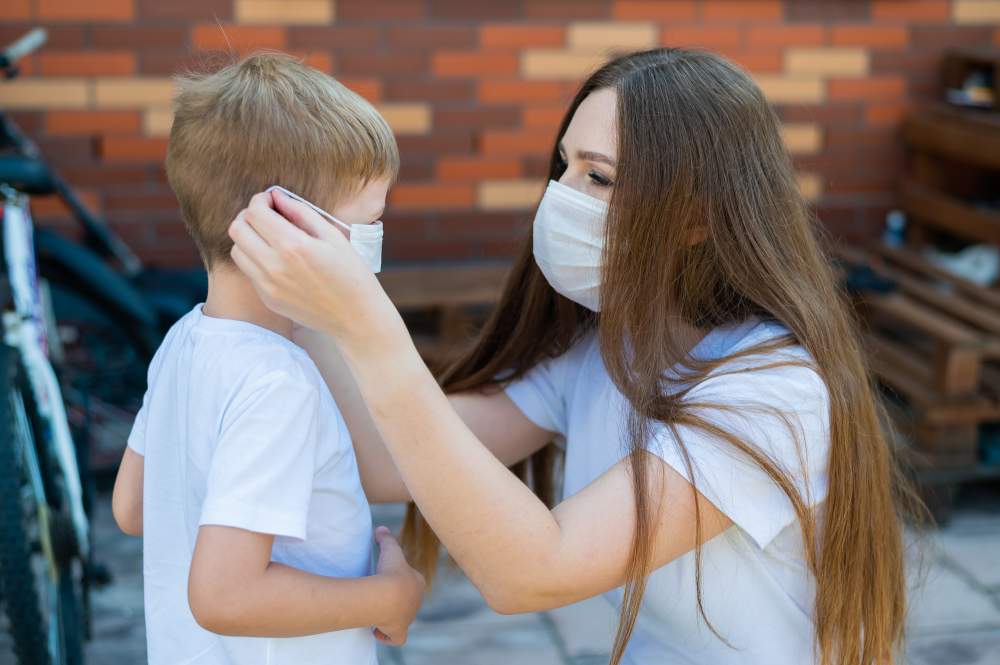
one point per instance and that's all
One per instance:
(269, 120)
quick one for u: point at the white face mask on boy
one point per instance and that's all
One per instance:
(366, 239)
(568, 241)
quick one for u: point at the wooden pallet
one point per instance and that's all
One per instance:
(934, 343)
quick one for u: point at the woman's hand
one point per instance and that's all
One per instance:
(304, 268)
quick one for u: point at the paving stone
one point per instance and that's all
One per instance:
(975, 648)
(586, 628)
(943, 602)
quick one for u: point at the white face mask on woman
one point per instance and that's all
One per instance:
(568, 241)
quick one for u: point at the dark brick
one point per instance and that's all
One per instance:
(384, 64)
(432, 37)
(334, 37)
(441, 142)
(185, 10)
(480, 116)
(429, 90)
(139, 37)
(825, 10)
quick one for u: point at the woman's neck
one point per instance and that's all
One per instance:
(231, 296)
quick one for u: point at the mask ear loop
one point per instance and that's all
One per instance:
(322, 213)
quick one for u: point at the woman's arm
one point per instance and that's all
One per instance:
(518, 553)
(492, 416)
(235, 589)
(126, 501)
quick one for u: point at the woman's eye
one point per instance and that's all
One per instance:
(599, 179)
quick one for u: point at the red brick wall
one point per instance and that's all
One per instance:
(474, 90)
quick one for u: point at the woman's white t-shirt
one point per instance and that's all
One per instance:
(757, 591)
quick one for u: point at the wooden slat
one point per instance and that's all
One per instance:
(444, 285)
(916, 263)
(903, 308)
(927, 205)
(967, 136)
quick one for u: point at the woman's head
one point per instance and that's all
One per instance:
(705, 226)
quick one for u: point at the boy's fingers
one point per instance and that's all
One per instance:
(301, 215)
(385, 539)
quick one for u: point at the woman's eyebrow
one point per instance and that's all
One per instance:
(589, 156)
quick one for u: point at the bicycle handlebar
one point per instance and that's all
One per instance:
(22, 47)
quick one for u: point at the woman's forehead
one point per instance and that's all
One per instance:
(594, 125)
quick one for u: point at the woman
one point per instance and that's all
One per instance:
(672, 317)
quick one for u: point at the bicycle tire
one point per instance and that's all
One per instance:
(71, 620)
(17, 579)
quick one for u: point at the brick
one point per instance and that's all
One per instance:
(186, 10)
(837, 61)
(880, 87)
(443, 141)
(157, 121)
(887, 113)
(414, 89)
(931, 37)
(411, 118)
(465, 10)
(383, 64)
(509, 194)
(547, 116)
(91, 122)
(563, 10)
(829, 114)
(786, 35)
(432, 37)
(284, 11)
(86, 63)
(755, 61)
(477, 116)
(59, 36)
(334, 37)
(65, 93)
(431, 196)
(810, 184)
(791, 89)
(369, 88)
(520, 91)
(15, 10)
(701, 37)
(875, 36)
(517, 142)
(124, 93)
(50, 207)
(133, 148)
(75, 10)
(824, 11)
(976, 11)
(619, 35)
(320, 60)
(553, 64)
(477, 168)
(911, 10)
(473, 64)
(138, 37)
(393, 10)
(133, 200)
(661, 10)
(500, 35)
(727, 10)
(241, 38)
(802, 138)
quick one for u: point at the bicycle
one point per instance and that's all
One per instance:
(44, 528)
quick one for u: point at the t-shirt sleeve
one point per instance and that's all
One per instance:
(261, 474)
(542, 393)
(137, 437)
(783, 412)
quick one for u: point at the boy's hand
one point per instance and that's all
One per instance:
(408, 582)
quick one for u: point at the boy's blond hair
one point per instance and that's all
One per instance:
(269, 120)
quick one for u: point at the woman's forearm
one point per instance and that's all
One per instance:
(379, 476)
(498, 531)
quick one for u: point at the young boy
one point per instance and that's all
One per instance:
(239, 470)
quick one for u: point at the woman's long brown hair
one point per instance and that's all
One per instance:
(700, 155)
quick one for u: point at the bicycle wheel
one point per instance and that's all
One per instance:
(39, 595)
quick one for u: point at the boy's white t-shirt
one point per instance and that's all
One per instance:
(237, 428)
(757, 590)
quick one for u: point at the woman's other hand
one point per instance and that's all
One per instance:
(408, 582)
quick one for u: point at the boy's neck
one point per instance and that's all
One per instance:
(231, 296)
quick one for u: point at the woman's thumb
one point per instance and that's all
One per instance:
(301, 215)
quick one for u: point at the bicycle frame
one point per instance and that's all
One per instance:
(25, 329)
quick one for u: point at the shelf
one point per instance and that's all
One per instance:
(929, 206)
(968, 136)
